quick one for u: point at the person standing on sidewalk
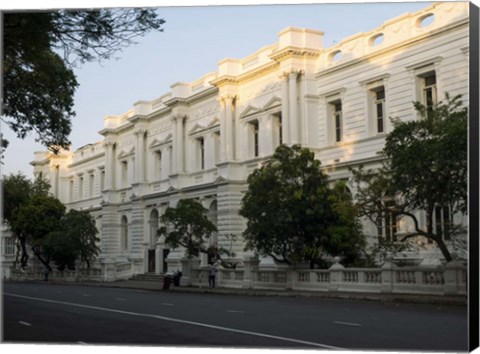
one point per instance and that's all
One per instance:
(212, 271)
(45, 273)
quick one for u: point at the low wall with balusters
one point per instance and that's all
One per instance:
(450, 279)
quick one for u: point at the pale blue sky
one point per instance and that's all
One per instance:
(194, 41)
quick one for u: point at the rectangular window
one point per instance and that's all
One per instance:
(91, 184)
(429, 90)
(443, 222)
(70, 190)
(124, 173)
(387, 223)
(8, 245)
(80, 188)
(254, 126)
(337, 116)
(201, 153)
(158, 166)
(280, 130)
(380, 109)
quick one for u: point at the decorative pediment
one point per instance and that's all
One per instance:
(250, 110)
(156, 142)
(220, 180)
(125, 153)
(196, 128)
(171, 189)
(215, 121)
(273, 102)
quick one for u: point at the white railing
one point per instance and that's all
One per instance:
(449, 280)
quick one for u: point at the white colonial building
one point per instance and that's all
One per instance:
(202, 139)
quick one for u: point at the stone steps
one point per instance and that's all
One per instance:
(148, 277)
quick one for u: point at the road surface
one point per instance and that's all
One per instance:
(46, 313)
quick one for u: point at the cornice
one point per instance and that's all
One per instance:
(295, 52)
(87, 159)
(249, 75)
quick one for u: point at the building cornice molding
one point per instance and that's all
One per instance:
(295, 52)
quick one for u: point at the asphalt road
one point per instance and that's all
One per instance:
(48, 313)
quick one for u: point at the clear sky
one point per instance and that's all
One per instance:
(194, 40)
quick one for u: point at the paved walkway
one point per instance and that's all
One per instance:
(158, 286)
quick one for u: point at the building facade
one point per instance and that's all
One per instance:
(203, 139)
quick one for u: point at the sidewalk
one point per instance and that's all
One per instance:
(402, 298)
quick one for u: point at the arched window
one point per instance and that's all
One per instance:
(124, 234)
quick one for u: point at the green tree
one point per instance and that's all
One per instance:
(292, 213)
(36, 219)
(75, 240)
(39, 83)
(188, 226)
(425, 169)
(18, 192)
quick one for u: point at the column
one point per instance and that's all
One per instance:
(109, 166)
(293, 106)
(140, 156)
(179, 144)
(223, 134)
(285, 110)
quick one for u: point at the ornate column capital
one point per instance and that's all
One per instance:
(228, 98)
(109, 143)
(179, 117)
(140, 132)
(294, 74)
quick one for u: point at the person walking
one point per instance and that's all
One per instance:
(212, 271)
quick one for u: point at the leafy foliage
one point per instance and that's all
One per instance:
(39, 220)
(292, 214)
(426, 167)
(75, 240)
(187, 226)
(39, 84)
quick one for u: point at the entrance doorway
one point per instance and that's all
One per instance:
(151, 261)
(166, 251)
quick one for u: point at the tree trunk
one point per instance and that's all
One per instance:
(444, 249)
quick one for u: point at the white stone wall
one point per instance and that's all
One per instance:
(295, 78)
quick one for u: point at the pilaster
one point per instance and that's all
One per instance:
(293, 106)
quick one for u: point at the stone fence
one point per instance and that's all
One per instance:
(450, 279)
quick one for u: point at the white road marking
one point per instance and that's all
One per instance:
(235, 311)
(348, 323)
(171, 319)
(82, 343)
(25, 323)
(167, 304)
(120, 299)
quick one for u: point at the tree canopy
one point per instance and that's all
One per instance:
(292, 213)
(425, 169)
(40, 50)
(40, 221)
(187, 225)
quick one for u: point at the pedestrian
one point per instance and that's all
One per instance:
(212, 271)
(45, 273)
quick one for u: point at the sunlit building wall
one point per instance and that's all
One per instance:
(202, 139)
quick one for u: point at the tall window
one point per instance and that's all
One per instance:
(387, 223)
(124, 173)
(70, 190)
(254, 126)
(337, 120)
(80, 188)
(201, 153)
(91, 184)
(8, 245)
(379, 104)
(443, 222)
(280, 129)
(157, 165)
(124, 234)
(429, 90)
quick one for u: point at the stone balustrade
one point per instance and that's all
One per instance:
(447, 280)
